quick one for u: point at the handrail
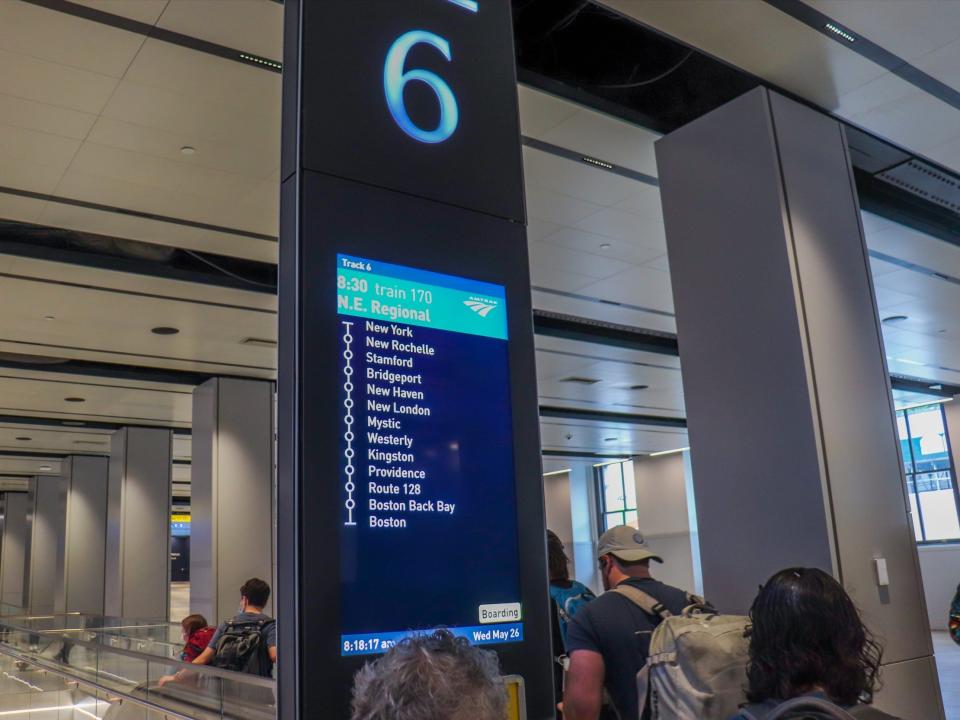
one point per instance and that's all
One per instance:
(232, 675)
(55, 670)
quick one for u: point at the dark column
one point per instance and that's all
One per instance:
(409, 489)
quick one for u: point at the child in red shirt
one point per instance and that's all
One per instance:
(196, 636)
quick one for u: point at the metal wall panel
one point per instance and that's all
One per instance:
(83, 577)
(13, 550)
(791, 424)
(852, 390)
(232, 485)
(754, 445)
(47, 545)
(138, 537)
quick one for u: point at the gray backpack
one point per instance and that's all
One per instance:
(697, 667)
(812, 708)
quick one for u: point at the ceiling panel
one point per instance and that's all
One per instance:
(177, 69)
(258, 161)
(43, 118)
(255, 26)
(32, 30)
(38, 466)
(592, 437)
(640, 286)
(101, 401)
(593, 265)
(197, 119)
(555, 207)
(541, 112)
(583, 181)
(99, 325)
(145, 11)
(53, 84)
(606, 138)
(32, 438)
(931, 23)
(628, 249)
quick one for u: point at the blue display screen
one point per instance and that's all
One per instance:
(428, 501)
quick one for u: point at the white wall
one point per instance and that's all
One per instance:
(569, 499)
(664, 517)
(940, 568)
(940, 564)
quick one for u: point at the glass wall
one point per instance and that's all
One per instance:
(930, 474)
(617, 493)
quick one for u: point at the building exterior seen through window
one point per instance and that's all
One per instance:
(617, 494)
(931, 480)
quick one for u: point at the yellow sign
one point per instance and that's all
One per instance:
(180, 518)
(516, 698)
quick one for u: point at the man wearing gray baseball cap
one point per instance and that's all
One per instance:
(609, 639)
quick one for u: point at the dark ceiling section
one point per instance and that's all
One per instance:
(133, 256)
(596, 57)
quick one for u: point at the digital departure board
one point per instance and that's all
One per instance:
(427, 467)
(410, 489)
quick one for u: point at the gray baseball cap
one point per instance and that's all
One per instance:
(625, 543)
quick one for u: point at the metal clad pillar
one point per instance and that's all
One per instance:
(47, 506)
(13, 548)
(83, 578)
(794, 445)
(138, 524)
(232, 534)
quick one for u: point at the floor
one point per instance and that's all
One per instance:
(179, 601)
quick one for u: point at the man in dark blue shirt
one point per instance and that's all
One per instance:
(609, 639)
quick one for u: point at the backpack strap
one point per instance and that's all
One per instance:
(818, 705)
(649, 604)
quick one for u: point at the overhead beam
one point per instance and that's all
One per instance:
(611, 417)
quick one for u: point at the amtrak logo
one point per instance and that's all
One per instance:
(480, 307)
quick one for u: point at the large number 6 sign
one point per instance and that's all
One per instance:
(395, 80)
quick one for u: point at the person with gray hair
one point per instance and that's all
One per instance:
(431, 677)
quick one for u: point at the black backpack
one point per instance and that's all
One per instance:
(242, 647)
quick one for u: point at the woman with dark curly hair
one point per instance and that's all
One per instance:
(810, 654)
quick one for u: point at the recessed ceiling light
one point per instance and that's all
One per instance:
(605, 246)
(164, 330)
(46, 468)
(894, 318)
(49, 317)
(74, 399)
(24, 438)
(187, 150)
(938, 386)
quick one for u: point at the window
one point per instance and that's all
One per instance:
(930, 474)
(617, 493)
